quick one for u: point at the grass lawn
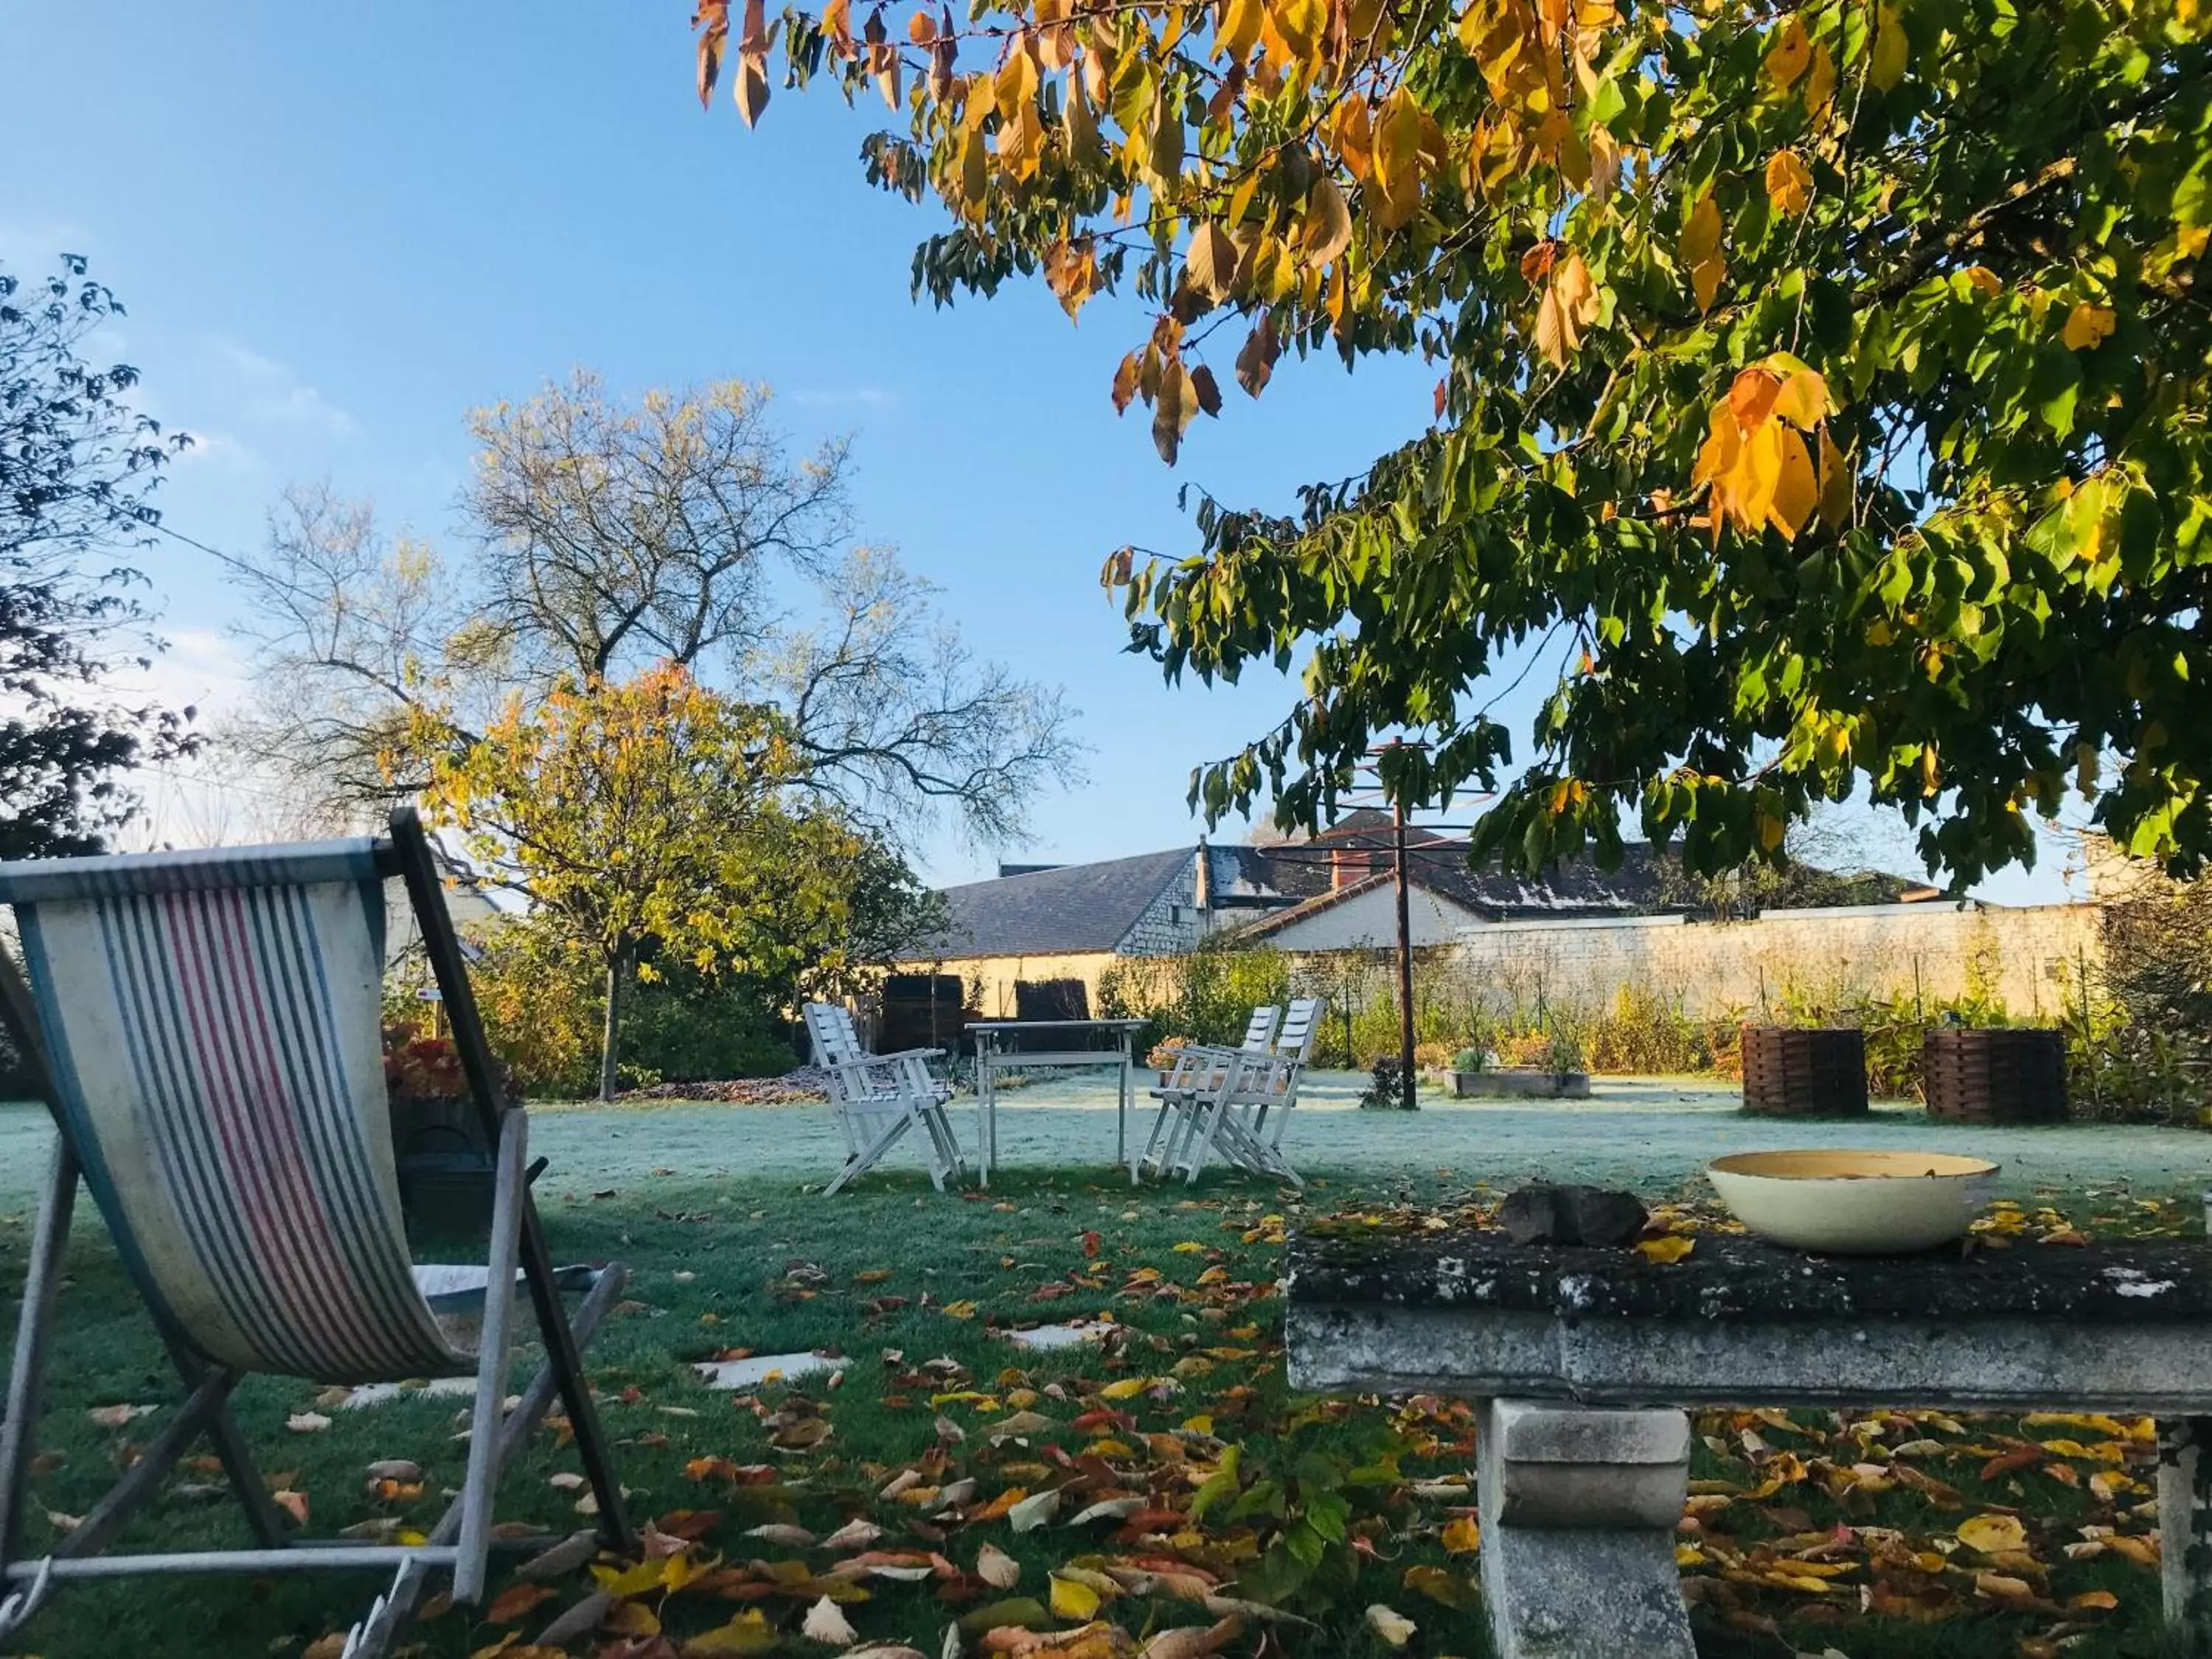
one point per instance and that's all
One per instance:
(1806, 1533)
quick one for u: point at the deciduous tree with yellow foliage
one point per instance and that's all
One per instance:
(648, 819)
(1836, 373)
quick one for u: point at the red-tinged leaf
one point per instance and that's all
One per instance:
(516, 1600)
(1125, 388)
(1209, 393)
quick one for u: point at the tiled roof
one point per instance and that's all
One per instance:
(1076, 908)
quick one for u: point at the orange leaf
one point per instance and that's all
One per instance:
(511, 1603)
(1788, 182)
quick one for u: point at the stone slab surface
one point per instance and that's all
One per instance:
(757, 1368)
(1734, 1279)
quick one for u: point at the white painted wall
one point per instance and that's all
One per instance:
(1371, 919)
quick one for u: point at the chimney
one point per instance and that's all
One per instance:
(1340, 874)
(1202, 884)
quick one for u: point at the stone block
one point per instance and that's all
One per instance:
(1581, 1468)
(1539, 1432)
(1578, 1556)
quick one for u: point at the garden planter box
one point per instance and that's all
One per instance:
(1793, 1071)
(1995, 1077)
(1520, 1083)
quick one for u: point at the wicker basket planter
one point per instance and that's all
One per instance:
(2016, 1076)
(1793, 1071)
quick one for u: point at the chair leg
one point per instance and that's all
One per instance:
(19, 1431)
(128, 1495)
(374, 1635)
(861, 1161)
(272, 1528)
(491, 1365)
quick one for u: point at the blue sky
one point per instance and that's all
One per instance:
(339, 226)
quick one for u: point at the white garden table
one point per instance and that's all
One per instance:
(999, 1048)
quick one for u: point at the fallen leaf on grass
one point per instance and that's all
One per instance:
(996, 1568)
(1392, 1626)
(1034, 1511)
(1993, 1534)
(1440, 1585)
(1672, 1248)
(825, 1623)
(307, 1423)
(116, 1417)
(516, 1600)
(1462, 1536)
(748, 1632)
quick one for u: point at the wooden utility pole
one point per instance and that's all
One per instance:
(1405, 955)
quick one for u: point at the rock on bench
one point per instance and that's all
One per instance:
(1587, 1359)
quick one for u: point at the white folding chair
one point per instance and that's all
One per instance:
(876, 1098)
(1244, 1121)
(1201, 1070)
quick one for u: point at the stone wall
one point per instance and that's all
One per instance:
(1171, 924)
(2030, 959)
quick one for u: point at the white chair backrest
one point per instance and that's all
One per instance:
(1301, 1027)
(830, 1027)
(1260, 1033)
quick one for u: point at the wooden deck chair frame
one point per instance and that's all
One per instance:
(1234, 1123)
(461, 1540)
(877, 1098)
(1200, 1070)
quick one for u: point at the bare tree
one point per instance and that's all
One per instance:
(606, 536)
(892, 707)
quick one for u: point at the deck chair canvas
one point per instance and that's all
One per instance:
(1200, 1071)
(1243, 1121)
(206, 1028)
(877, 1098)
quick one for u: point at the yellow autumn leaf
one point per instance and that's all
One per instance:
(1819, 81)
(1802, 399)
(1834, 474)
(1073, 1601)
(1984, 280)
(959, 1311)
(2087, 325)
(1788, 182)
(1886, 67)
(1236, 28)
(1570, 305)
(1993, 1534)
(1796, 492)
(1701, 251)
(2096, 1600)
(1462, 1535)
(1328, 224)
(1398, 160)
(1671, 1247)
(1790, 54)
(1127, 1388)
(1210, 263)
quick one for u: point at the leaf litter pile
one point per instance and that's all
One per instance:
(1158, 1492)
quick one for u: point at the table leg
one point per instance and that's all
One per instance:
(1121, 1127)
(986, 1119)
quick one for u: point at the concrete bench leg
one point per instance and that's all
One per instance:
(1578, 1510)
(2184, 1520)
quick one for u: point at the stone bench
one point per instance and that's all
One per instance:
(1585, 1360)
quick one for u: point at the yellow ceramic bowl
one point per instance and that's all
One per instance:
(1853, 1203)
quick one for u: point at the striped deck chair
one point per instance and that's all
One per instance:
(1200, 1069)
(206, 1026)
(876, 1098)
(1244, 1121)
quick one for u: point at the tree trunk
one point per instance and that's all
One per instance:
(617, 984)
